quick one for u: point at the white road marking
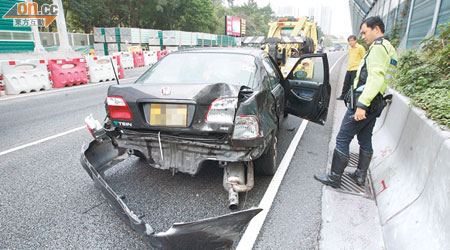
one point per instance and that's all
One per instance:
(254, 227)
(41, 140)
(251, 233)
(53, 136)
(66, 89)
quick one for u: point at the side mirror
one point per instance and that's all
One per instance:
(299, 75)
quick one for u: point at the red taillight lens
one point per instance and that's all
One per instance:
(222, 110)
(246, 127)
(118, 108)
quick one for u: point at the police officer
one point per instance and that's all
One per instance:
(371, 80)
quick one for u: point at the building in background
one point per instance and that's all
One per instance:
(322, 14)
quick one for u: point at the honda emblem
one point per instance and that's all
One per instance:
(166, 91)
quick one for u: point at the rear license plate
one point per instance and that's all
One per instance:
(171, 115)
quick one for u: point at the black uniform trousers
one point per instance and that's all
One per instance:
(362, 129)
(348, 81)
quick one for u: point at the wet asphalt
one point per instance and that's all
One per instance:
(49, 202)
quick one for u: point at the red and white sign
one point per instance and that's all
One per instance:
(232, 26)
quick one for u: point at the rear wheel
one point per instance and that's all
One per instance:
(267, 164)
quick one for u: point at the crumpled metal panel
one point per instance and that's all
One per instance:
(212, 233)
(183, 155)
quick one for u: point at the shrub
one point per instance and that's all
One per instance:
(424, 76)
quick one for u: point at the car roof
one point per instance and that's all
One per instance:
(249, 51)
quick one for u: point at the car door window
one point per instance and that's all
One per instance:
(309, 88)
(272, 72)
(310, 69)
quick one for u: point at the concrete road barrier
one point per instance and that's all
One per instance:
(405, 172)
(387, 136)
(425, 224)
(411, 178)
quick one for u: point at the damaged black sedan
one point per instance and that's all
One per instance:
(201, 105)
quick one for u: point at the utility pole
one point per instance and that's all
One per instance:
(37, 38)
(64, 45)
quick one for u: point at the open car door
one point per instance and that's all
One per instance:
(308, 88)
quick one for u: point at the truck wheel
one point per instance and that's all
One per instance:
(266, 165)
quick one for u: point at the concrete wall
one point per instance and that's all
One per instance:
(411, 177)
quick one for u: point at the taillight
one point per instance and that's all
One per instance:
(95, 128)
(246, 127)
(118, 108)
(222, 110)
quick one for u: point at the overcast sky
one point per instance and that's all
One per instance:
(341, 25)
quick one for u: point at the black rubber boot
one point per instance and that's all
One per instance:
(360, 173)
(338, 165)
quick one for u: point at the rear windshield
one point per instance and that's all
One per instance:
(195, 68)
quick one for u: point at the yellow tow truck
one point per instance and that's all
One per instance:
(287, 40)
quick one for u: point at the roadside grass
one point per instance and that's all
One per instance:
(424, 76)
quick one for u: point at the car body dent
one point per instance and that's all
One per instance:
(184, 149)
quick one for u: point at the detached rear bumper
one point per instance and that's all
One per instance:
(213, 233)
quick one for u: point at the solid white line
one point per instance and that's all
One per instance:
(41, 140)
(67, 89)
(334, 65)
(251, 233)
(254, 227)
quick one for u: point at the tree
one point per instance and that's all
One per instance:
(257, 18)
(319, 32)
(196, 15)
(188, 15)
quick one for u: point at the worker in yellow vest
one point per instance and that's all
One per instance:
(356, 52)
